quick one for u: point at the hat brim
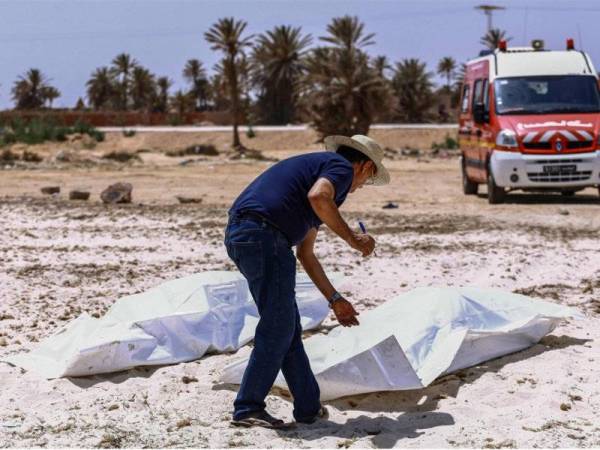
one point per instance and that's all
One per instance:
(332, 143)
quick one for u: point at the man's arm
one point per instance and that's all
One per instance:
(344, 311)
(322, 200)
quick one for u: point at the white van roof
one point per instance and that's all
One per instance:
(525, 61)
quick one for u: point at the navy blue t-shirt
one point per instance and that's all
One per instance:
(280, 194)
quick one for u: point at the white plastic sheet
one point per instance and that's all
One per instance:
(177, 321)
(409, 341)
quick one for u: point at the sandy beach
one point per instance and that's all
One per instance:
(60, 258)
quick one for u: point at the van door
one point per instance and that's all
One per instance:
(485, 142)
(477, 132)
(465, 130)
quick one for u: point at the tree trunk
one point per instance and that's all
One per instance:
(233, 83)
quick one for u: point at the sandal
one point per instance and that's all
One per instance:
(322, 414)
(260, 419)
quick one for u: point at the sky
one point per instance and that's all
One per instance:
(68, 39)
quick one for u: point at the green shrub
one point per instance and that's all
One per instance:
(174, 120)
(250, 133)
(31, 157)
(41, 129)
(98, 135)
(128, 133)
(121, 156)
(451, 143)
(8, 156)
(201, 149)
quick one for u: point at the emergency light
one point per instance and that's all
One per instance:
(502, 45)
(570, 44)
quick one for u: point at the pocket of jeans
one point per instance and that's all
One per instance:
(248, 256)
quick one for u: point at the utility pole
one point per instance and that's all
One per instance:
(488, 10)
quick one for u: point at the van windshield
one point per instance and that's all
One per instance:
(547, 94)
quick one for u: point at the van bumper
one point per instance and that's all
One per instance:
(516, 170)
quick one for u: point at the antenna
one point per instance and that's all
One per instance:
(579, 36)
(488, 10)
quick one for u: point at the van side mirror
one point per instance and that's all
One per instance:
(479, 115)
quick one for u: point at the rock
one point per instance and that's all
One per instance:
(79, 195)
(565, 406)
(183, 423)
(3, 342)
(410, 152)
(563, 212)
(49, 190)
(187, 380)
(63, 156)
(113, 407)
(390, 205)
(183, 199)
(117, 193)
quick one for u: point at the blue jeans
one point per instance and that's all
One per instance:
(265, 258)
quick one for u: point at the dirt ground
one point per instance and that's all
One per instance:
(59, 258)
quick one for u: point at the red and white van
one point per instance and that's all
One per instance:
(530, 120)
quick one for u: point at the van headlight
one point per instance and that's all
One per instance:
(507, 139)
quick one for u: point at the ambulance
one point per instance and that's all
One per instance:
(529, 120)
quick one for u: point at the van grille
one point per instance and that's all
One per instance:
(557, 161)
(548, 145)
(552, 178)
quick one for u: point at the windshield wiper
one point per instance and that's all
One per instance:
(571, 109)
(520, 111)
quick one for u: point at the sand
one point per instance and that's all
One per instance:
(60, 258)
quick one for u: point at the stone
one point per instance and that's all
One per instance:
(187, 380)
(390, 205)
(49, 190)
(183, 199)
(79, 195)
(117, 193)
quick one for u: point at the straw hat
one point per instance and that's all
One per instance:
(364, 145)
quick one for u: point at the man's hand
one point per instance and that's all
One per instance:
(345, 312)
(364, 243)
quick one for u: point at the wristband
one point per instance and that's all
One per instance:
(334, 298)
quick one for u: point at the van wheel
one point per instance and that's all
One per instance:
(495, 194)
(469, 187)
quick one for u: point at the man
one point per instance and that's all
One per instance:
(282, 208)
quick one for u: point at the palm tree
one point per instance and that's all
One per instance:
(226, 37)
(413, 87)
(122, 66)
(458, 83)
(493, 37)
(381, 64)
(276, 70)
(142, 88)
(31, 90)
(344, 92)
(446, 67)
(347, 33)
(80, 104)
(101, 89)
(50, 93)
(195, 74)
(161, 101)
(182, 102)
